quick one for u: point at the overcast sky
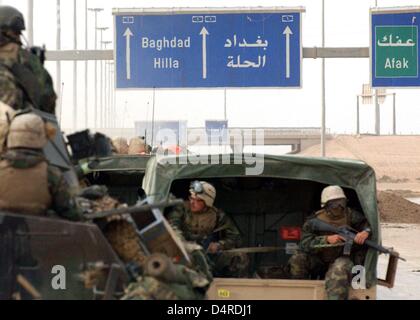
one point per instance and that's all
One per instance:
(347, 24)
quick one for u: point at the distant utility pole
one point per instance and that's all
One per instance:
(153, 118)
(101, 94)
(225, 113)
(58, 84)
(86, 64)
(112, 92)
(377, 109)
(323, 85)
(108, 95)
(75, 66)
(358, 116)
(30, 22)
(96, 10)
(394, 116)
(114, 111)
(105, 84)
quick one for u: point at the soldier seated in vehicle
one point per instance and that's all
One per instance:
(28, 184)
(322, 253)
(201, 222)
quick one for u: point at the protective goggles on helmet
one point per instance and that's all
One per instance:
(196, 187)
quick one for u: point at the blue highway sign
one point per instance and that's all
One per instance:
(217, 131)
(208, 48)
(394, 47)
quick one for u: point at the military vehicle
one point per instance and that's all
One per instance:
(122, 174)
(269, 209)
(51, 258)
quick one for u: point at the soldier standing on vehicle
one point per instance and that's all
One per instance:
(199, 221)
(323, 252)
(24, 82)
(28, 184)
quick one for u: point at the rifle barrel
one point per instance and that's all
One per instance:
(320, 225)
(133, 209)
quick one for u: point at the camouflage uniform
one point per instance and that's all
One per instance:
(62, 202)
(178, 282)
(212, 225)
(34, 86)
(150, 288)
(316, 257)
(24, 81)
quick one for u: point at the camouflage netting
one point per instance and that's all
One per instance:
(122, 236)
(120, 233)
(105, 203)
(149, 288)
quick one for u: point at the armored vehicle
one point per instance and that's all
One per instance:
(50, 258)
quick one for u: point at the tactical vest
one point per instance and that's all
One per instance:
(18, 62)
(24, 190)
(6, 115)
(329, 254)
(201, 224)
(339, 222)
(9, 53)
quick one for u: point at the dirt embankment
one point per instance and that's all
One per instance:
(395, 159)
(396, 209)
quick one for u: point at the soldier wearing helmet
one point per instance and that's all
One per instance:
(201, 222)
(120, 144)
(321, 254)
(28, 184)
(24, 82)
(137, 145)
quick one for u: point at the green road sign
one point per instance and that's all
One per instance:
(396, 51)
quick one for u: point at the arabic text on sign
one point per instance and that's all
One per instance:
(246, 63)
(244, 44)
(387, 41)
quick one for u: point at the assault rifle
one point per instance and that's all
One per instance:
(349, 234)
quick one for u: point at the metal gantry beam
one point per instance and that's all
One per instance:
(86, 65)
(58, 61)
(74, 56)
(75, 65)
(309, 53)
(323, 107)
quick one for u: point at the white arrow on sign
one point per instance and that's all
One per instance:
(204, 33)
(128, 34)
(287, 32)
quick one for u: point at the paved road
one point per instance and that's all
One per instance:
(405, 238)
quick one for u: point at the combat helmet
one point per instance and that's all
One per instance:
(331, 193)
(136, 146)
(27, 130)
(11, 19)
(121, 145)
(204, 191)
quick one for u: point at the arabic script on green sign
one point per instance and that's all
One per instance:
(396, 51)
